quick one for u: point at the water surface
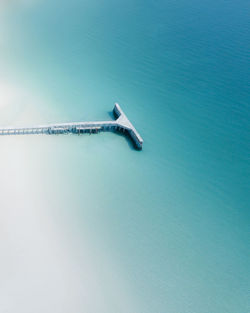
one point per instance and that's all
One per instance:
(88, 224)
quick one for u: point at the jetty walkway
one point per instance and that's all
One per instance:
(121, 124)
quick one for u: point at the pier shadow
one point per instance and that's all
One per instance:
(125, 135)
(112, 115)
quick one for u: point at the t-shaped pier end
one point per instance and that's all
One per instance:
(125, 124)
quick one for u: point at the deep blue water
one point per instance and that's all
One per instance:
(164, 229)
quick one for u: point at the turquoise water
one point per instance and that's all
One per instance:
(92, 225)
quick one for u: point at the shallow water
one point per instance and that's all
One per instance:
(88, 224)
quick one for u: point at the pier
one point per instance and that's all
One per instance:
(120, 124)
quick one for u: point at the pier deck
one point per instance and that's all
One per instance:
(121, 124)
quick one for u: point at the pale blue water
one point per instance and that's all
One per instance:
(164, 229)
